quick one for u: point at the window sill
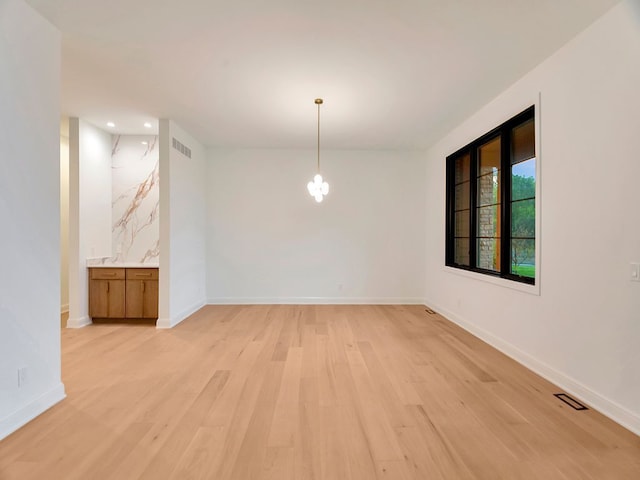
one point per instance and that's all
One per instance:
(501, 282)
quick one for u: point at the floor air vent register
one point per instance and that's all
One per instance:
(572, 402)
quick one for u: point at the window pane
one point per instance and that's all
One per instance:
(489, 189)
(488, 181)
(523, 180)
(488, 233)
(463, 169)
(523, 142)
(523, 257)
(488, 221)
(462, 227)
(461, 251)
(462, 209)
(488, 256)
(523, 219)
(463, 195)
(523, 206)
(489, 157)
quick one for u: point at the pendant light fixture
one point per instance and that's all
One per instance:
(318, 188)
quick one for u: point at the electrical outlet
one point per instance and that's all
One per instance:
(635, 272)
(22, 376)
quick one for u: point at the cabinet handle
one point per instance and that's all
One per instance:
(143, 286)
(108, 285)
(143, 274)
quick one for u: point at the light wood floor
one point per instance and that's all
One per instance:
(308, 392)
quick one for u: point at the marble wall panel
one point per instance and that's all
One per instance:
(135, 199)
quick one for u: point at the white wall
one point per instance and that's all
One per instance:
(182, 226)
(29, 214)
(89, 210)
(270, 242)
(64, 222)
(583, 330)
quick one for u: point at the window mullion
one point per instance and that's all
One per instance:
(505, 233)
(473, 201)
(449, 248)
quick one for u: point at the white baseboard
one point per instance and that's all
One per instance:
(64, 308)
(607, 407)
(14, 421)
(315, 301)
(163, 323)
(79, 322)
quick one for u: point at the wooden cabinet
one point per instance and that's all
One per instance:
(107, 293)
(142, 293)
(123, 292)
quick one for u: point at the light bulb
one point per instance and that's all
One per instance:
(318, 188)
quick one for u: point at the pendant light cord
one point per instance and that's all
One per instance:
(318, 136)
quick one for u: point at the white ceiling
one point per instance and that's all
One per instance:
(244, 73)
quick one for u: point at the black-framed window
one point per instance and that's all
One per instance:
(491, 202)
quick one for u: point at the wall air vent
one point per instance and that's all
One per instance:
(186, 151)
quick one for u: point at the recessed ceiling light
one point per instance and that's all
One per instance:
(111, 124)
(145, 143)
(147, 125)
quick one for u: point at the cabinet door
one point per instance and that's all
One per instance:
(106, 298)
(142, 298)
(150, 308)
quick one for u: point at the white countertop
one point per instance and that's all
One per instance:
(108, 263)
(124, 265)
